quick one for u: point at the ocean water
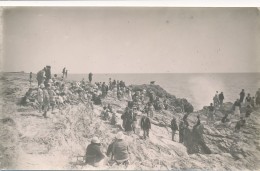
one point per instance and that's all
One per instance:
(198, 89)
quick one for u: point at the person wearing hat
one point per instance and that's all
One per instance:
(174, 127)
(41, 76)
(94, 156)
(40, 97)
(120, 150)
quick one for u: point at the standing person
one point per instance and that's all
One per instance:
(46, 100)
(66, 73)
(52, 95)
(211, 111)
(41, 76)
(221, 98)
(63, 72)
(248, 99)
(120, 150)
(94, 156)
(145, 125)
(40, 97)
(242, 96)
(216, 100)
(90, 75)
(181, 131)
(257, 98)
(174, 127)
(30, 79)
(237, 107)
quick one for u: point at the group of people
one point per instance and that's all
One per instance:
(54, 91)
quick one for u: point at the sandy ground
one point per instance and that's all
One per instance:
(29, 141)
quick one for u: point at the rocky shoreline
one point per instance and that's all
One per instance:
(28, 138)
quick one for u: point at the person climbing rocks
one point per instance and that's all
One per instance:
(94, 156)
(120, 150)
(145, 125)
(211, 111)
(90, 75)
(221, 98)
(30, 79)
(249, 110)
(181, 131)
(242, 96)
(237, 107)
(41, 76)
(174, 127)
(40, 97)
(46, 100)
(257, 98)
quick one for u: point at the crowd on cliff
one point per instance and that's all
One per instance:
(56, 92)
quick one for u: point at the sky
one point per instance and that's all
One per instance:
(131, 40)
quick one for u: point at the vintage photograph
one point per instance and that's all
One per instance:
(130, 88)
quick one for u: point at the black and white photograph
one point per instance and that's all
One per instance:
(129, 88)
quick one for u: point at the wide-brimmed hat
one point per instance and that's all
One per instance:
(95, 140)
(119, 135)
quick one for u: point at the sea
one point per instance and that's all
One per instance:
(198, 89)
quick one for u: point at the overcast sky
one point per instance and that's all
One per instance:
(132, 40)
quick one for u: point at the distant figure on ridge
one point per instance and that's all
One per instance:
(257, 97)
(242, 96)
(30, 79)
(90, 75)
(63, 72)
(216, 99)
(211, 111)
(66, 73)
(221, 98)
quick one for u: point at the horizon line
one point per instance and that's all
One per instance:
(146, 72)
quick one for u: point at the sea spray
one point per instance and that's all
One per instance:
(203, 90)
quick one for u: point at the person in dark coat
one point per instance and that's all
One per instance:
(174, 127)
(90, 75)
(145, 125)
(221, 98)
(185, 117)
(30, 79)
(242, 96)
(94, 156)
(129, 121)
(181, 131)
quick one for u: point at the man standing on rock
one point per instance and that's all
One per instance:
(90, 75)
(242, 95)
(174, 127)
(145, 125)
(221, 98)
(211, 111)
